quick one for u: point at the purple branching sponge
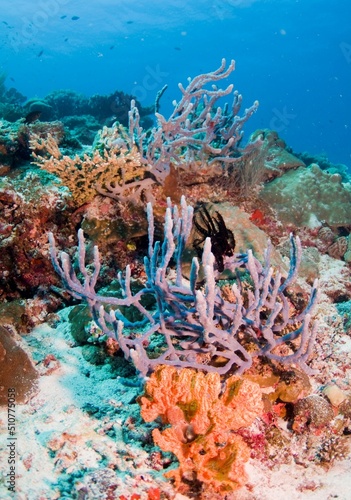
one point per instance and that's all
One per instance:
(185, 323)
(198, 130)
(197, 134)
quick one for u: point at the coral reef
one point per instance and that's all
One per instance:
(84, 115)
(112, 107)
(39, 108)
(82, 127)
(313, 411)
(11, 101)
(15, 139)
(275, 155)
(196, 136)
(325, 164)
(60, 104)
(247, 375)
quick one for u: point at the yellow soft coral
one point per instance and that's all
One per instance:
(202, 424)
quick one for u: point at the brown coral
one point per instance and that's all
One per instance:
(203, 424)
(326, 235)
(112, 172)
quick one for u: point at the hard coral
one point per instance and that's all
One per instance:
(309, 197)
(202, 424)
(112, 172)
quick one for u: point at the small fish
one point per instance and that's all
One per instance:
(66, 40)
(177, 48)
(40, 53)
(32, 117)
(4, 22)
(112, 47)
(130, 22)
(63, 17)
(75, 18)
(12, 79)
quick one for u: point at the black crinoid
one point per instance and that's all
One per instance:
(213, 227)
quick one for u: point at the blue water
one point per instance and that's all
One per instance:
(293, 56)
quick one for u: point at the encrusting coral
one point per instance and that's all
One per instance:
(326, 197)
(203, 424)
